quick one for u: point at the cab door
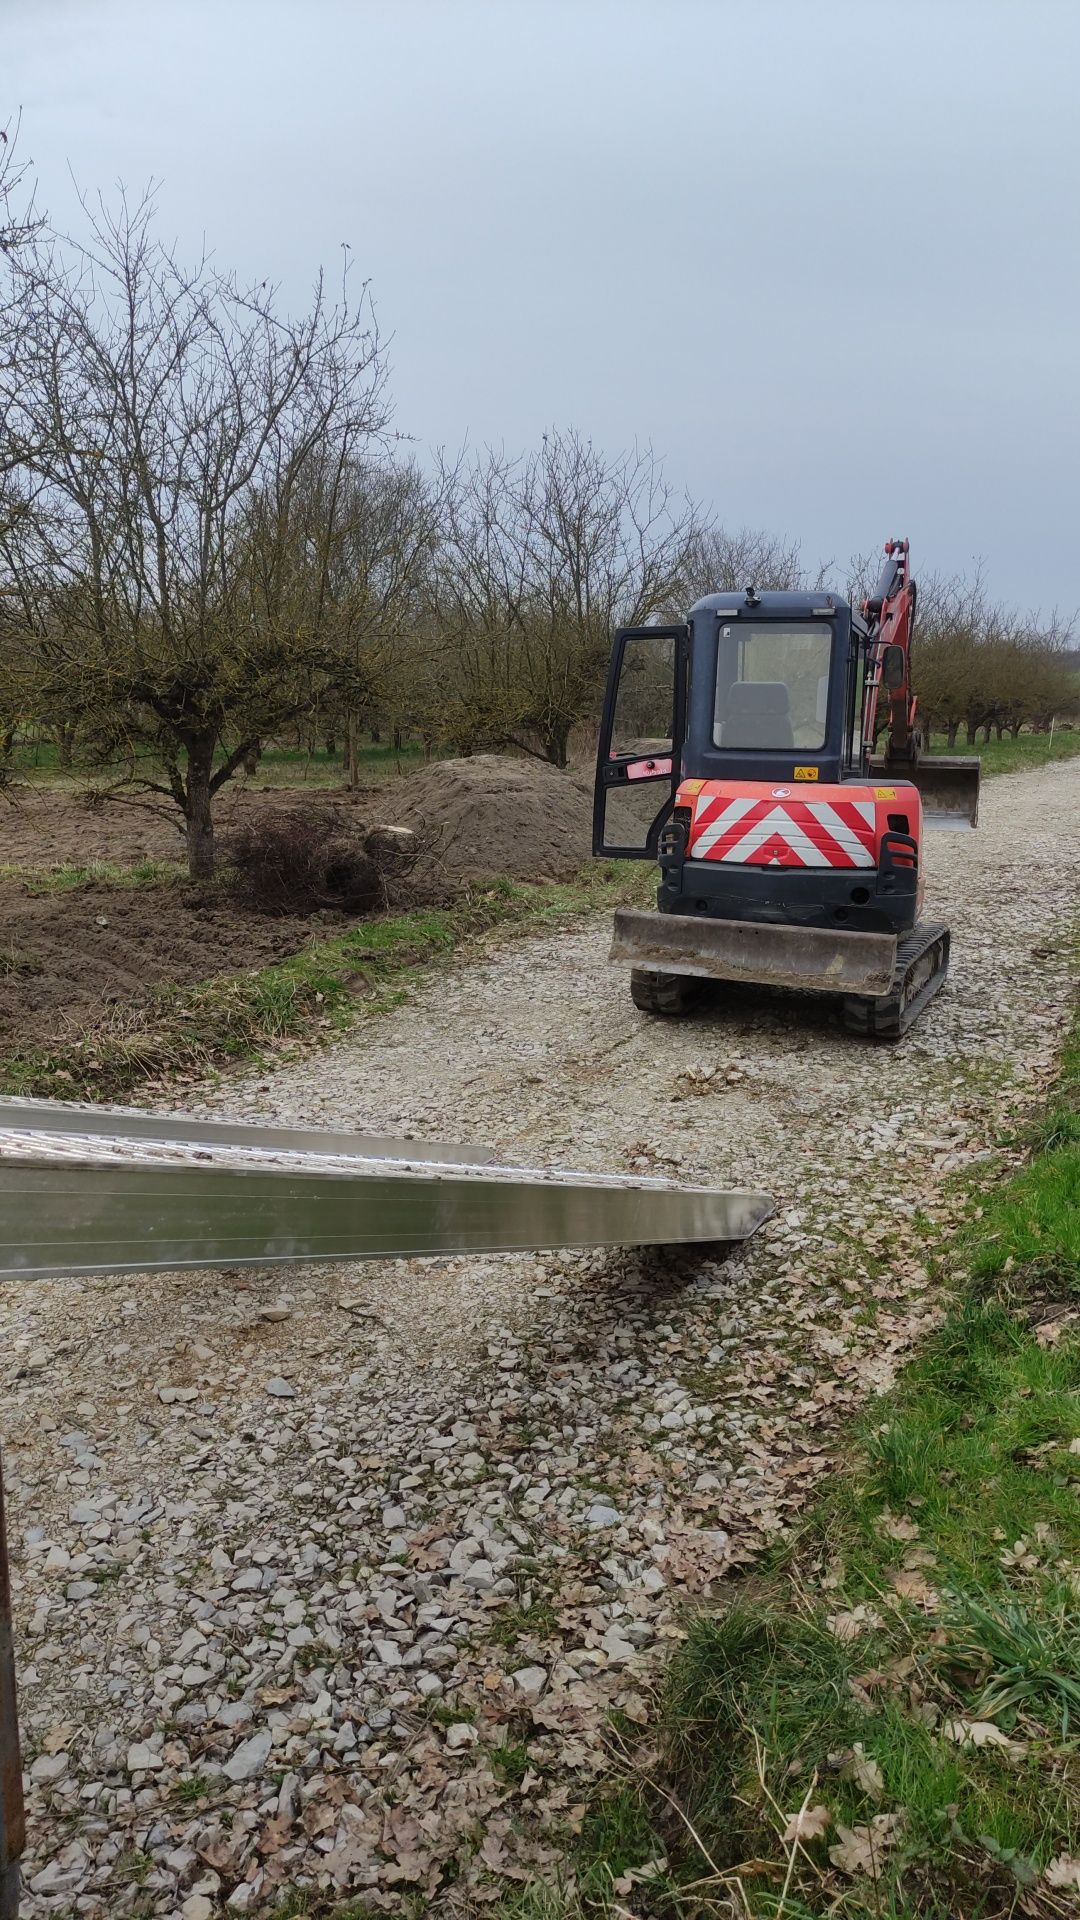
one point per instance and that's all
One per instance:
(641, 737)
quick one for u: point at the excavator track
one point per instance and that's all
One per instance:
(668, 994)
(922, 965)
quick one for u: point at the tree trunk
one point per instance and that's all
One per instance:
(987, 725)
(200, 823)
(65, 741)
(999, 729)
(972, 732)
(397, 739)
(352, 751)
(952, 731)
(375, 735)
(330, 743)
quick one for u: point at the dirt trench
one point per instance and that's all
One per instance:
(337, 1540)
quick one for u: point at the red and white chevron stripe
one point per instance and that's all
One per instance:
(784, 833)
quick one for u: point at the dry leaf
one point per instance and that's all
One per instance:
(276, 1834)
(981, 1733)
(1062, 1871)
(848, 1626)
(897, 1526)
(808, 1824)
(919, 1557)
(1019, 1558)
(911, 1585)
(493, 1852)
(859, 1849)
(865, 1772)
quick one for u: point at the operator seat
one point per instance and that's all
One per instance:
(758, 715)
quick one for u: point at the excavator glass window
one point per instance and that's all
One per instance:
(772, 685)
(644, 702)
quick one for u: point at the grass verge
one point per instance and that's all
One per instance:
(1015, 756)
(885, 1721)
(180, 1032)
(63, 877)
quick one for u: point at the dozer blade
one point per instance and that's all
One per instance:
(813, 958)
(948, 784)
(121, 1193)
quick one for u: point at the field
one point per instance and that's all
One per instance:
(406, 1587)
(99, 925)
(101, 931)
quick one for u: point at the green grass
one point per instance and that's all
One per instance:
(934, 1587)
(1015, 756)
(62, 877)
(278, 766)
(300, 1903)
(1028, 1233)
(312, 996)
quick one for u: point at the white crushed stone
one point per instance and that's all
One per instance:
(277, 1641)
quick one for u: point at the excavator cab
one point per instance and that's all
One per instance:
(765, 753)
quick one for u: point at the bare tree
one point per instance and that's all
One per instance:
(168, 436)
(719, 561)
(378, 580)
(542, 557)
(19, 219)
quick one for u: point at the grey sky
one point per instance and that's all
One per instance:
(822, 253)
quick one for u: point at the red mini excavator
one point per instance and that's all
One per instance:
(767, 753)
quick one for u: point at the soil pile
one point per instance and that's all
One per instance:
(489, 816)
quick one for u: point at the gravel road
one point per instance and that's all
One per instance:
(330, 1581)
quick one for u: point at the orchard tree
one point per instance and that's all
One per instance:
(719, 561)
(541, 558)
(180, 456)
(381, 541)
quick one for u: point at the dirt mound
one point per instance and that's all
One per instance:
(490, 815)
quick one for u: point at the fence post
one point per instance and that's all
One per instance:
(12, 1818)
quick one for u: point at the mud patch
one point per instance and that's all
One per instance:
(65, 958)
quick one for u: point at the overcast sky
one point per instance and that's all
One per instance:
(822, 254)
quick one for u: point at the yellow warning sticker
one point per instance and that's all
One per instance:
(692, 786)
(807, 773)
(884, 793)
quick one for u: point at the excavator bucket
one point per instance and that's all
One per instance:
(96, 1191)
(810, 959)
(949, 786)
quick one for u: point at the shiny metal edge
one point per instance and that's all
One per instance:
(70, 1118)
(62, 1219)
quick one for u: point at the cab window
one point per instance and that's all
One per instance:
(772, 685)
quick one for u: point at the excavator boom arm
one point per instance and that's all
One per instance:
(949, 786)
(890, 616)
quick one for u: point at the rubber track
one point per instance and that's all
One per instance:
(670, 994)
(894, 1013)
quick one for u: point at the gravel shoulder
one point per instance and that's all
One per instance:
(330, 1581)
